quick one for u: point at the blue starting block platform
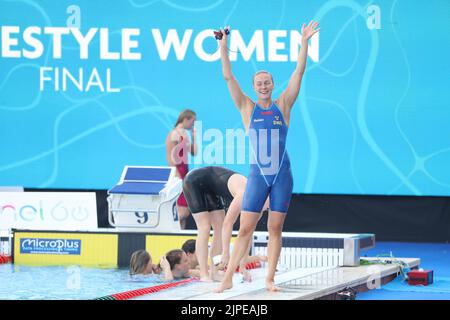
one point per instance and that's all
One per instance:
(145, 197)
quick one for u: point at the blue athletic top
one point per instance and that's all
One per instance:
(270, 171)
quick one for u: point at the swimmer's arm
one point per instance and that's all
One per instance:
(227, 231)
(194, 273)
(168, 275)
(243, 262)
(289, 96)
(257, 258)
(227, 227)
(165, 266)
(194, 142)
(239, 98)
(171, 143)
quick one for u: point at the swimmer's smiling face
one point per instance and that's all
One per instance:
(263, 85)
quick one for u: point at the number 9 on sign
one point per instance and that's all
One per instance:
(142, 217)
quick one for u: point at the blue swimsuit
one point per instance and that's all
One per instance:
(270, 168)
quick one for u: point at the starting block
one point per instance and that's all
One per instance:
(145, 198)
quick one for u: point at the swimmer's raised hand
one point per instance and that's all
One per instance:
(164, 263)
(165, 266)
(309, 30)
(156, 269)
(224, 41)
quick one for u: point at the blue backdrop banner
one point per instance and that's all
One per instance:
(87, 87)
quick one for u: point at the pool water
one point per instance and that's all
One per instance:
(67, 283)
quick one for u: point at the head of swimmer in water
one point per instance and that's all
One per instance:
(179, 262)
(186, 119)
(263, 85)
(141, 263)
(189, 248)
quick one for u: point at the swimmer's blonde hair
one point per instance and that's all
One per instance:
(262, 71)
(139, 261)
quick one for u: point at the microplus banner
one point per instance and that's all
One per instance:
(87, 87)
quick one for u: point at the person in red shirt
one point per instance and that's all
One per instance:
(178, 146)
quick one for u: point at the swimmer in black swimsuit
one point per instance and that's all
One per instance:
(209, 191)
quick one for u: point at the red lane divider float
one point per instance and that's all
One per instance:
(5, 259)
(251, 265)
(140, 292)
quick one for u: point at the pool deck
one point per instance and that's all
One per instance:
(298, 284)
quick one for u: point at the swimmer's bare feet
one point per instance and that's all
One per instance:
(224, 286)
(218, 276)
(270, 286)
(206, 278)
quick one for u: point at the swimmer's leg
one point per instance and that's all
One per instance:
(217, 218)
(203, 222)
(275, 227)
(248, 222)
(234, 210)
(280, 198)
(183, 215)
